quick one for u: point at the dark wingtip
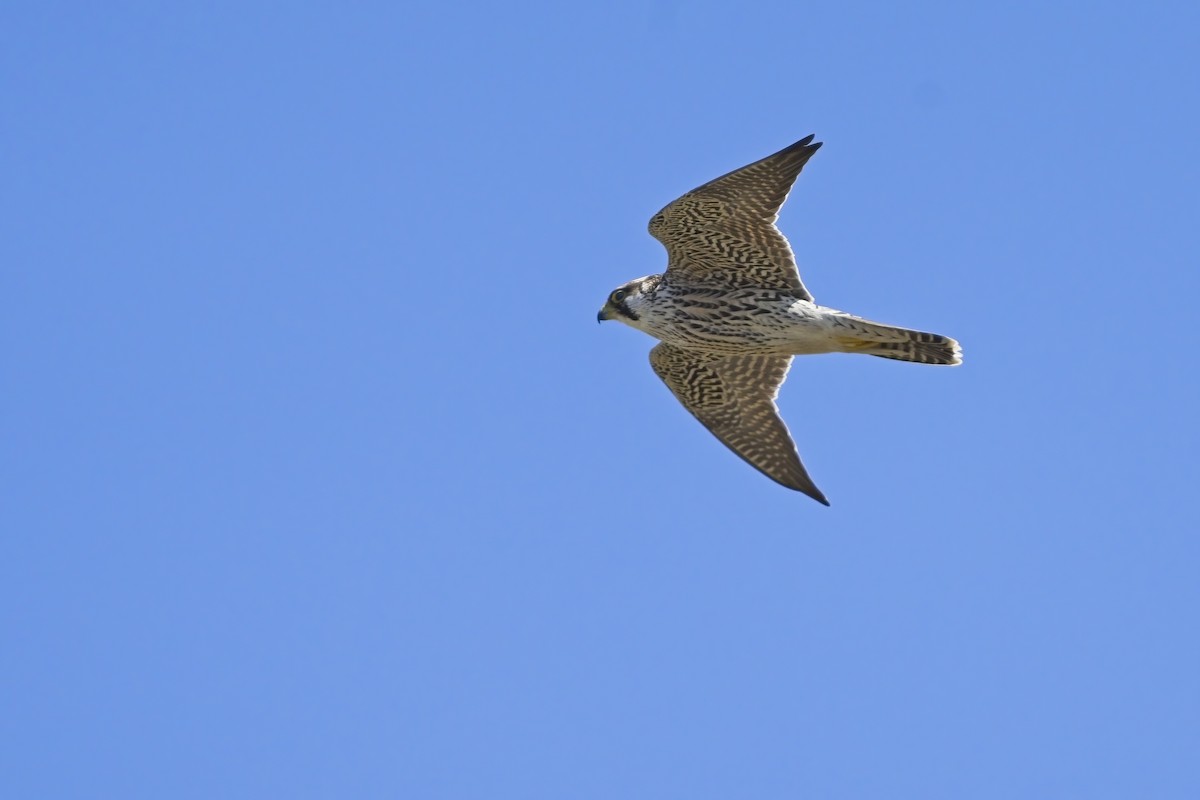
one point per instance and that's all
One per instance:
(807, 489)
(816, 494)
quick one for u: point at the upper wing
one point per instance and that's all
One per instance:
(725, 230)
(734, 397)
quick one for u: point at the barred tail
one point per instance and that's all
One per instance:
(901, 344)
(923, 348)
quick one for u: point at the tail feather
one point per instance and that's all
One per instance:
(902, 344)
(923, 348)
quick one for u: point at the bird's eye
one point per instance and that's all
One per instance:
(619, 295)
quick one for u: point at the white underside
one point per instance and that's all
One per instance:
(788, 327)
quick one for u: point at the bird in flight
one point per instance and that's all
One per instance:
(731, 311)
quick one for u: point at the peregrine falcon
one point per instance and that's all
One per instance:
(731, 311)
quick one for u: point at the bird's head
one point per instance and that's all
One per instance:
(625, 302)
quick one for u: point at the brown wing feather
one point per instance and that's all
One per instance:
(724, 231)
(734, 397)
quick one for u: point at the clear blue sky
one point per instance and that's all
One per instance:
(320, 479)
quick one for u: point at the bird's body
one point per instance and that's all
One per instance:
(731, 311)
(747, 321)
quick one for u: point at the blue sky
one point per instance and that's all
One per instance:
(320, 480)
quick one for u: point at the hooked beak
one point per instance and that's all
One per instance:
(603, 315)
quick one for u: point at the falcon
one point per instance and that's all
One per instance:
(731, 311)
